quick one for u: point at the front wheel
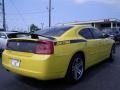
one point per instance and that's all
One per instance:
(113, 51)
(75, 69)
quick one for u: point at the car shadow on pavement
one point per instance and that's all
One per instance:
(60, 84)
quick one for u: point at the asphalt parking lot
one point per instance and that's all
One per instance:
(104, 76)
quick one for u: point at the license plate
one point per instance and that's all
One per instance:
(15, 63)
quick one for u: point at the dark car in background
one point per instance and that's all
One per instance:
(114, 33)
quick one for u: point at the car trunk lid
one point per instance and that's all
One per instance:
(30, 46)
(21, 45)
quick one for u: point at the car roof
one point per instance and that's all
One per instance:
(75, 25)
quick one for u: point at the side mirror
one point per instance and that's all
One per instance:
(112, 36)
(105, 35)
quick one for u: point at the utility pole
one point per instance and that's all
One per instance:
(3, 12)
(50, 9)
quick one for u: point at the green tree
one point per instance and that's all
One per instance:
(34, 28)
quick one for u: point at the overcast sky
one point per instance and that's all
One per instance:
(22, 13)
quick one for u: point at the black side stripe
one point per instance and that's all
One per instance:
(69, 42)
(77, 41)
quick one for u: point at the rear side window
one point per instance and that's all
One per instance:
(53, 31)
(86, 33)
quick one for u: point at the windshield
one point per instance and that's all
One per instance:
(53, 31)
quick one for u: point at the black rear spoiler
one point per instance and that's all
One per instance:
(33, 36)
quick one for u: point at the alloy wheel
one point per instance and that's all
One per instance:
(77, 68)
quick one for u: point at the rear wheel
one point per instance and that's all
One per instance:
(75, 69)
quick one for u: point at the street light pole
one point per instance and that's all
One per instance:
(50, 9)
(3, 11)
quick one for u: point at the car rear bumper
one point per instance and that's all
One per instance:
(42, 67)
(37, 75)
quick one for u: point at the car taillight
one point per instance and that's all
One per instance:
(45, 47)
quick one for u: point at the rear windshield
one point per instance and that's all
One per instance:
(53, 31)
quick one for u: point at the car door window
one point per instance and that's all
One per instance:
(96, 33)
(86, 33)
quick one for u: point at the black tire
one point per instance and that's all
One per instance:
(75, 69)
(112, 54)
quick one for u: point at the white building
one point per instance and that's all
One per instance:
(100, 24)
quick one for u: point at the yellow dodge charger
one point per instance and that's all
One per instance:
(58, 52)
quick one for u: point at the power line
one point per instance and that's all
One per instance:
(19, 13)
(25, 13)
